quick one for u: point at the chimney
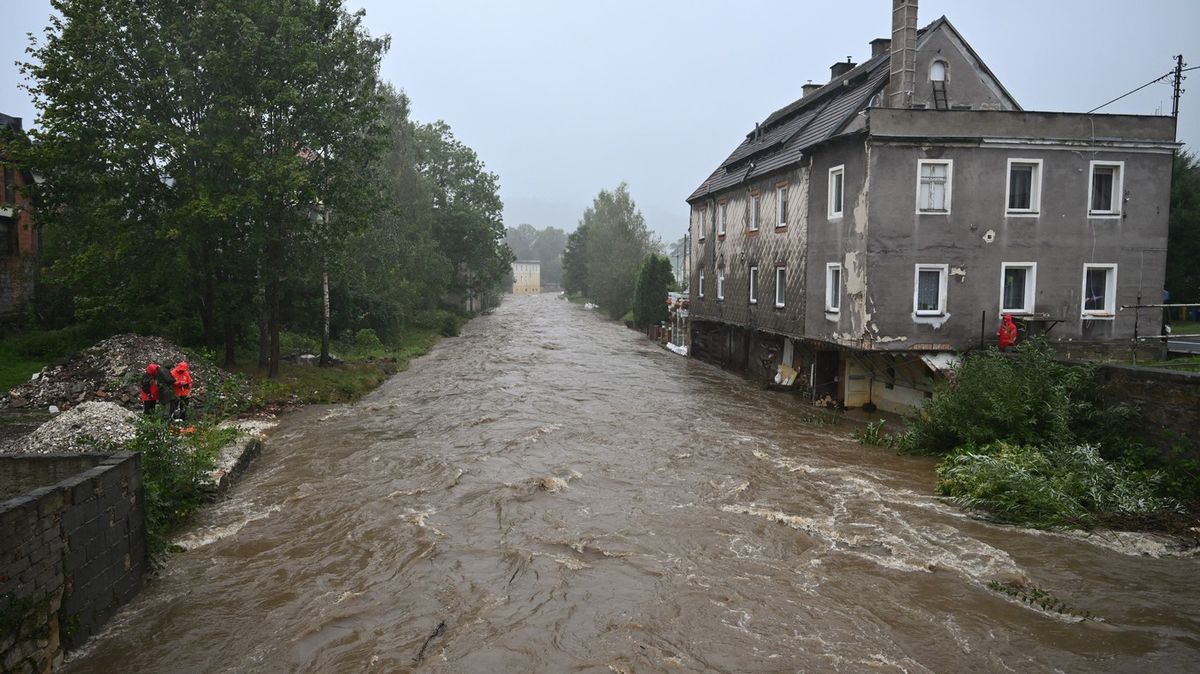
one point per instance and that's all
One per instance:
(838, 69)
(809, 87)
(880, 45)
(903, 76)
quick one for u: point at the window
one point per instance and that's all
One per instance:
(722, 210)
(701, 284)
(754, 212)
(1099, 290)
(1106, 191)
(700, 224)
(933, 185)
(836, 182)
(1024, 187)
(781, 195)
(937, 71)
(833, 287)
(754, 285)
(720, 284)
(1018, 283)
(929, 292)
(780, 283)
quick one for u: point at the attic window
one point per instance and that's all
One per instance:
(937, 71)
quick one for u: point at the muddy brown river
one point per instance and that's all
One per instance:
(551, 492)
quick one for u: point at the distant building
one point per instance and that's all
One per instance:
(865, 234)
(527, 277)
(18, 239)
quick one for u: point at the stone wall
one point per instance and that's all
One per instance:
(1170, 402)
(74, 552)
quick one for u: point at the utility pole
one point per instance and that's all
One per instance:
(1179, 64)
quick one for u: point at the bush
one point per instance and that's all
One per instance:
(1023, 397)
(367, 339)
(174, 471)
(1047, 486)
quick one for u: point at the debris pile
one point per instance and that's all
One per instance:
(111, 370)
(89, 427)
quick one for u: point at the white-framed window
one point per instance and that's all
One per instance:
(754, 199)
(701, 284)
(938, 70)
(722, 211)
(780, 286)
(837, 183)
(833, 287)
(754, 285)
(720, 284)
(1099, 291)
(700, 224)
(1105, 189)
(934, 180)
(1023, 195)
(781, 197)
(929, 289)
(1018, 287)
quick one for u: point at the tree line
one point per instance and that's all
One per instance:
(613, 259)
(217, 171)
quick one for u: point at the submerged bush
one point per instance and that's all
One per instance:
(1047, 486)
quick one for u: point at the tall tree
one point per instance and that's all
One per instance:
(650, 294)
(544, 245)
(1183, 238)
(605, 253)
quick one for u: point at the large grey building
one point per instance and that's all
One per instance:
(882, 223)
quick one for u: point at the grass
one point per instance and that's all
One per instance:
(16, 369)
(366, 363)
(23, 354)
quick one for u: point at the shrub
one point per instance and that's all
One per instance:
(367, 339)
(1023, 397)
(174, 471)
(1047, 486)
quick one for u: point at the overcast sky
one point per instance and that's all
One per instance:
(562, 99)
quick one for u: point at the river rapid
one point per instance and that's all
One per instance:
(551, 492)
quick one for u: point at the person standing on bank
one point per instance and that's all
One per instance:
(182, 377)
(156, 386)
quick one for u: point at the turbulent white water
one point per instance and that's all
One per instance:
(552, 493)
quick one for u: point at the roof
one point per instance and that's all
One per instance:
(782, 138)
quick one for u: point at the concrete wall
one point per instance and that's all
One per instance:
(74, 552)
(1170, 402)
(977, 236)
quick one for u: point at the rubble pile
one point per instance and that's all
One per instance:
(89, 427)
(111, 370)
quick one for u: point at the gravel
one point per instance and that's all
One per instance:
(87, 427)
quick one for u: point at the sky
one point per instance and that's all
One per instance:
(563, 98)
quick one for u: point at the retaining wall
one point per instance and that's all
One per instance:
(73, 552)
(1170, 402)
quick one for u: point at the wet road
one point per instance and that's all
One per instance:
(550, 492)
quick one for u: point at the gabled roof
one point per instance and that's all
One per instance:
(781, 139)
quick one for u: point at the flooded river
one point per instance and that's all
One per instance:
(550, 492)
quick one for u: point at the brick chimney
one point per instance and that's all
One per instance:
(880, 45)
(809, 87)
(903, 76)
(838, 69)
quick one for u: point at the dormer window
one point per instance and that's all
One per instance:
(937, 71)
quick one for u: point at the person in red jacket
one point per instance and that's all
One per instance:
(156, 386)
(1007, 332)
(183, 390)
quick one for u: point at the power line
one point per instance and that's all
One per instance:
(1156, 80)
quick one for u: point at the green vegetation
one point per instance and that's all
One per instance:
(654, 281)
(174, 471)
(1183, 232)
(22, 354)
(303, 196)
(1029, 441)
(1035, 596)
(606, 251)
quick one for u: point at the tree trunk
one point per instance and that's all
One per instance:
(264, 331)
(230, 343)
(325, 359)
(274, 290)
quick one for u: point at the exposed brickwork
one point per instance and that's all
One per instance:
(74, 552)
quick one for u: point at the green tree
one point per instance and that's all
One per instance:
(614, 241)
(1183, 238)
(544, 245)
(575, 261)
(467, 223)
(650, 294)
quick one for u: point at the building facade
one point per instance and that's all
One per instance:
(18, 239)
(883, 223)
(527, 277)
